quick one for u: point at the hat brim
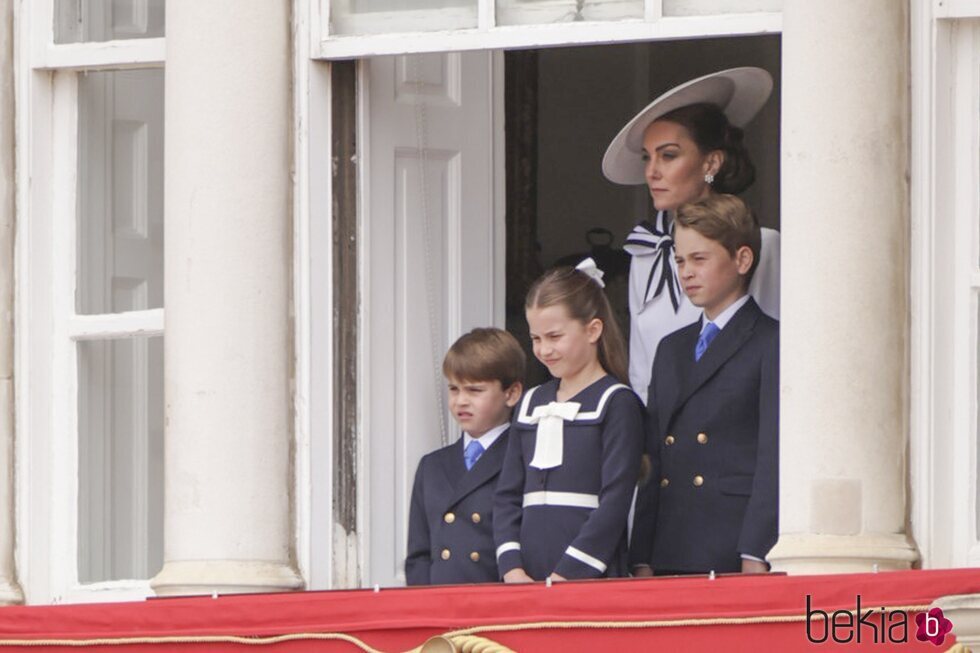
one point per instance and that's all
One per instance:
(739, 92)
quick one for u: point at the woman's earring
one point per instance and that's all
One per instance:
(709, 178)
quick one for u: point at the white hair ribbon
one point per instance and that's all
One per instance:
(549, 444)
(589, 267)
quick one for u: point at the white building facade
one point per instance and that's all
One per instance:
(237, 402)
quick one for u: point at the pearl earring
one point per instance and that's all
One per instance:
(709, 178)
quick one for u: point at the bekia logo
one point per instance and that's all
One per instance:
(932, 626)
(878, 626)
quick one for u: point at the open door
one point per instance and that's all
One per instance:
(431, 227)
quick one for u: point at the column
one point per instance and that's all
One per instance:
(964, 612)
(228, 260)
(845, 306)
(9, 590)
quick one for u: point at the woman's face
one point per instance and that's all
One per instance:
(674, 166)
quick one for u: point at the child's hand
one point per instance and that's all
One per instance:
(754, 567)
(642, 571)
(555, 577)
(517, 576)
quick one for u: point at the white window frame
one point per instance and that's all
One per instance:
(46, 92)
(325, 556)
(313, 306)
(945, 281)
(487, 35)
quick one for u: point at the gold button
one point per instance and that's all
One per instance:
(450, 518)
(664, 482)
(703, 438)
(446, 554)
(475, 557)
(476, 518)
(669, 440)
(698, 481)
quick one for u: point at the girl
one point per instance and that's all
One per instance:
(574, 456)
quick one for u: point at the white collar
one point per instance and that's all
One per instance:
(726, 315)
(488, 438)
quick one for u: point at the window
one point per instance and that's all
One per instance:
(367, 548)
(77, 21)
(391, 27)
(93, 272)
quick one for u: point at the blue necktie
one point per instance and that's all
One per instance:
(473, 452)
(707, 335)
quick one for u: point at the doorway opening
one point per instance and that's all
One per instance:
(475, 172)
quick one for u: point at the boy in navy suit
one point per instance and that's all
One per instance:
(711, 501)
(450, 528)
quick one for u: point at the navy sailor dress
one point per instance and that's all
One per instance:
(570, 517)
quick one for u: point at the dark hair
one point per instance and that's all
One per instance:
(485, 354)
(726, 220)
(582, 296)
(710, 130)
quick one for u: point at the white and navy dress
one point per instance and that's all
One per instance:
(659, 307)
(567, 481)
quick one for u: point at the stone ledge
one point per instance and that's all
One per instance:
(188, 577)
(799, 553)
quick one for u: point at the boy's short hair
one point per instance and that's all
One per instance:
(485, 354)
(727, 220)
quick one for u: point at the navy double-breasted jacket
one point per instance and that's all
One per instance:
(571, 519)
(450, 523)
(713, 441)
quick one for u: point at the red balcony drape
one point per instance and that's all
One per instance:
(733, 613)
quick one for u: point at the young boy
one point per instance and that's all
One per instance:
(450, 527)
(711, 499)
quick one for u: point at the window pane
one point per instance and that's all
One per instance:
(391, 16)
(120, 459)
(76, 21)
(540, 12)
(120, 191)
(709, 7)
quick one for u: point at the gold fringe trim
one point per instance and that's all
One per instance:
(465, 640)
(193, 639)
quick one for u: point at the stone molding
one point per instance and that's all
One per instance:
(963, 610)
(186, 577)
(802, 553)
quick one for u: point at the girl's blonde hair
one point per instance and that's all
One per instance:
(584, 300)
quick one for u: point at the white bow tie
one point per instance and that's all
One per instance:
(549, 444)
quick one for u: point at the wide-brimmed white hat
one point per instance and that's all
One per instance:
(739, 92)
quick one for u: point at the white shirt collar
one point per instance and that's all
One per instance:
(726, 315)
(488, 438)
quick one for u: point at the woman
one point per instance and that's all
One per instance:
(685, 145)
